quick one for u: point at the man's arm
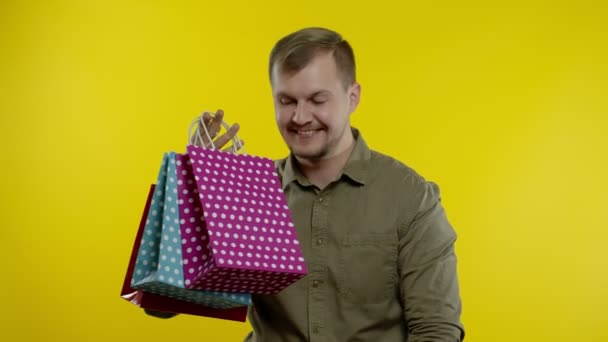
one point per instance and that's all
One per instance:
(427, 270)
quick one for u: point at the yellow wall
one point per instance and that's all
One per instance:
(505, 106)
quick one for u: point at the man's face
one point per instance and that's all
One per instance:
(313, 108)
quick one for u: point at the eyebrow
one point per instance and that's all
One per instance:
(315, 94)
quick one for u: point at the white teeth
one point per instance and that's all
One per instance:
(307, 133)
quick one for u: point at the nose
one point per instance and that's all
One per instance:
(301, 115)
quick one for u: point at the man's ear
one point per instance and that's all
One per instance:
(354, 96)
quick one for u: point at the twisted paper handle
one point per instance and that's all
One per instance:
(195, 138)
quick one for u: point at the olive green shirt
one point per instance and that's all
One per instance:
(380, 257)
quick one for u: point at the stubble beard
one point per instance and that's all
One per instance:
(314, 155)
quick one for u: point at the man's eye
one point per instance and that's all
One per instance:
(318, 101)
(285, 101)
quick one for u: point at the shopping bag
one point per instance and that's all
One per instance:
(157, 302)
(158, 267)
(245, 240)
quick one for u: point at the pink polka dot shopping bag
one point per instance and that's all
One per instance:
(237, 229)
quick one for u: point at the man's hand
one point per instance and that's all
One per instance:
(214, 124)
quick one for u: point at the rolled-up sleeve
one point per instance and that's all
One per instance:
(427, 269)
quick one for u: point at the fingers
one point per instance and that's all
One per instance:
(200, 138)
(213, 125)
(226, 137)
(206, 118)
(216, 123)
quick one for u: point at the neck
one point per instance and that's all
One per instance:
(321, 172)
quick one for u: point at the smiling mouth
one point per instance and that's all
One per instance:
(305, 132)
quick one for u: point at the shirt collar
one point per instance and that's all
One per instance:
(355, 168)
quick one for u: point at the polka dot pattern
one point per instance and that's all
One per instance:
(147, 258)
(158, 267)
(169, 262)
(195, 240)
(251, 240)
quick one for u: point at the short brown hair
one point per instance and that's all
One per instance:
(293, 52)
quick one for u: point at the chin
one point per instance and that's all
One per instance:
(307, 153)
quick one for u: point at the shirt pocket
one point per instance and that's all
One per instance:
(367, 270)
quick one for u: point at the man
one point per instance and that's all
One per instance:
(378, 246)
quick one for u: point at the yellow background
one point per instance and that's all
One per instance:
(504, 105)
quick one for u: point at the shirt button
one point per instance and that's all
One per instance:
(320, 199)
(316, 283)
(319, 242)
